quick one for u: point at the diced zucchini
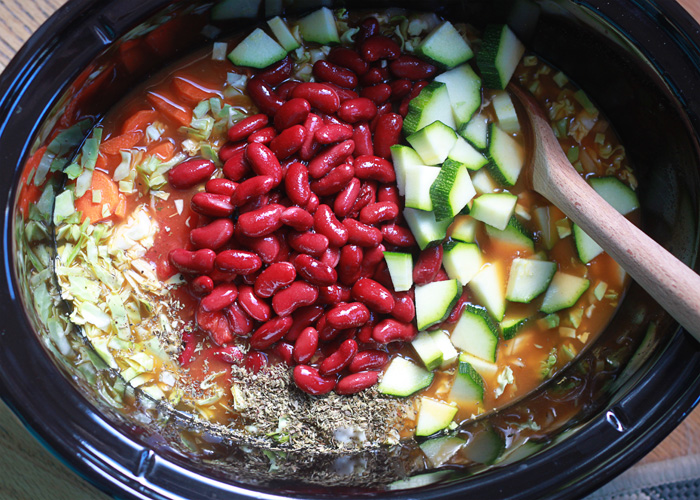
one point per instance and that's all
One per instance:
(489, 288)
(284, 36)
(464, 228)
(462, 260)
(463, 152)
(449, 353)
(451, 190)
(563, 291)
(445, 47)
(434, 301)
(439, 450)
(618, 194)
(432, 104)
(403, 378)
(482, 367)
(400, 269)
(433, 142)
(513, 234)
(506, 156)
(547, 228)
(586, 246)
(510, 327)
(483, 182)
(320, 27)
(428, 350)
(485, 446)
(476, 334)
(402, 157)
(257, 50)
(476, 132)
(419, 480)
(505, 112)
(529, 278)
(427, 231)
(434, 416)
(235, 9)
(468, 386)
(499, 56)
(494, 209)
(464, 89)
(419, 179)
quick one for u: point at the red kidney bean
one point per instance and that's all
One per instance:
(374, 167)
(249, 279)
(326, 223)
(415, 90)
(220, 186)
(288, 142)
(333, 132)
(356, 382)
(333, 294)
(319, 95)
(404, 307)
(296, 184)
(222, 296)
(293, 112)
(389, 193)
(261, 222)
(243, 128)
(315, 271)
(458, 309)
(334, 181)
(273, 278)
(310, 146)
(263, 96)
(343, 93)
(262, 136)
(241, 324)
(387, 134)
(297, 218)
(229, 149)
(380, 211)
(390, 330)
(378, 93)
(411, 67)
(368, 360)
(330, 157)
(270, 332)
(372, 257)
(398, 236)
(348, 58)
(222, 277)
(340, 359)
(254, 306)
(310, 381)
(231, 354)
(255, 361)
(252, 188)
(268, 248)
(215, 324)
(381, 275)
(350, 264)
(296, 295)
(368, 27)
(213, 235)
(199, 262)
(305, 345)
(364, 334)
(400, 88)
(373, 295)
(285, 352)
(308, 243)
(236, 167)
(345, 200)
(361, 234)
(326, 333)
(190, 173)
(374, 76)
(363, 139)
(427, 265)
(352, 315)
(368, 194)
(201, 286)
(212, 205)
(303, 317)
(238, 261)
(312, 204)
(357, 110)
(378, 47)
(284, 90)
(277, 72)
(328, 72)
(331, 256)
(263, 161)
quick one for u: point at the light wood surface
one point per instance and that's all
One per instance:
(27, 469)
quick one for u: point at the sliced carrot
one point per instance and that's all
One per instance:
(167, 105)
(115, 144)
(164, 150)
(109, 196)
(101, 162)
(192, 90)
(120, 210)
(139, 120)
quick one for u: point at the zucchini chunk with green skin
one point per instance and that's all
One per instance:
(451, 190)
(434, 416)
(476, 334)
(547, 229)
(514, 234)
(494, 209)
(432, 104)
(445, 47)
(419, 480)
(476, 132)
(235, 9)
(403, 378)
(434, 302)
(500, 54)
(564, 291)
(400, 269)
(439, 450)
(483, 182)
(505, 112)
(462, 261)
(489, 289)
(506, 156)
(427, 231)
(464, 89)
(402, 157)
(433, 142)
(419, 179)
(449, 353)
(485, 446)
(510, 327)
(586, 247)
(482, 367)
(320, 27)
(284, 36)
(257, 50)
(428, 350)
(529, 278)
(464, 153)
(467, 387)
(464, 228)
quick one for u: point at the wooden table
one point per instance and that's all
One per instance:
(27, 469)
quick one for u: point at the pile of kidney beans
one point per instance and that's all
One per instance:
(292, 255)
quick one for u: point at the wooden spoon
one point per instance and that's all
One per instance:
(673, 285)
